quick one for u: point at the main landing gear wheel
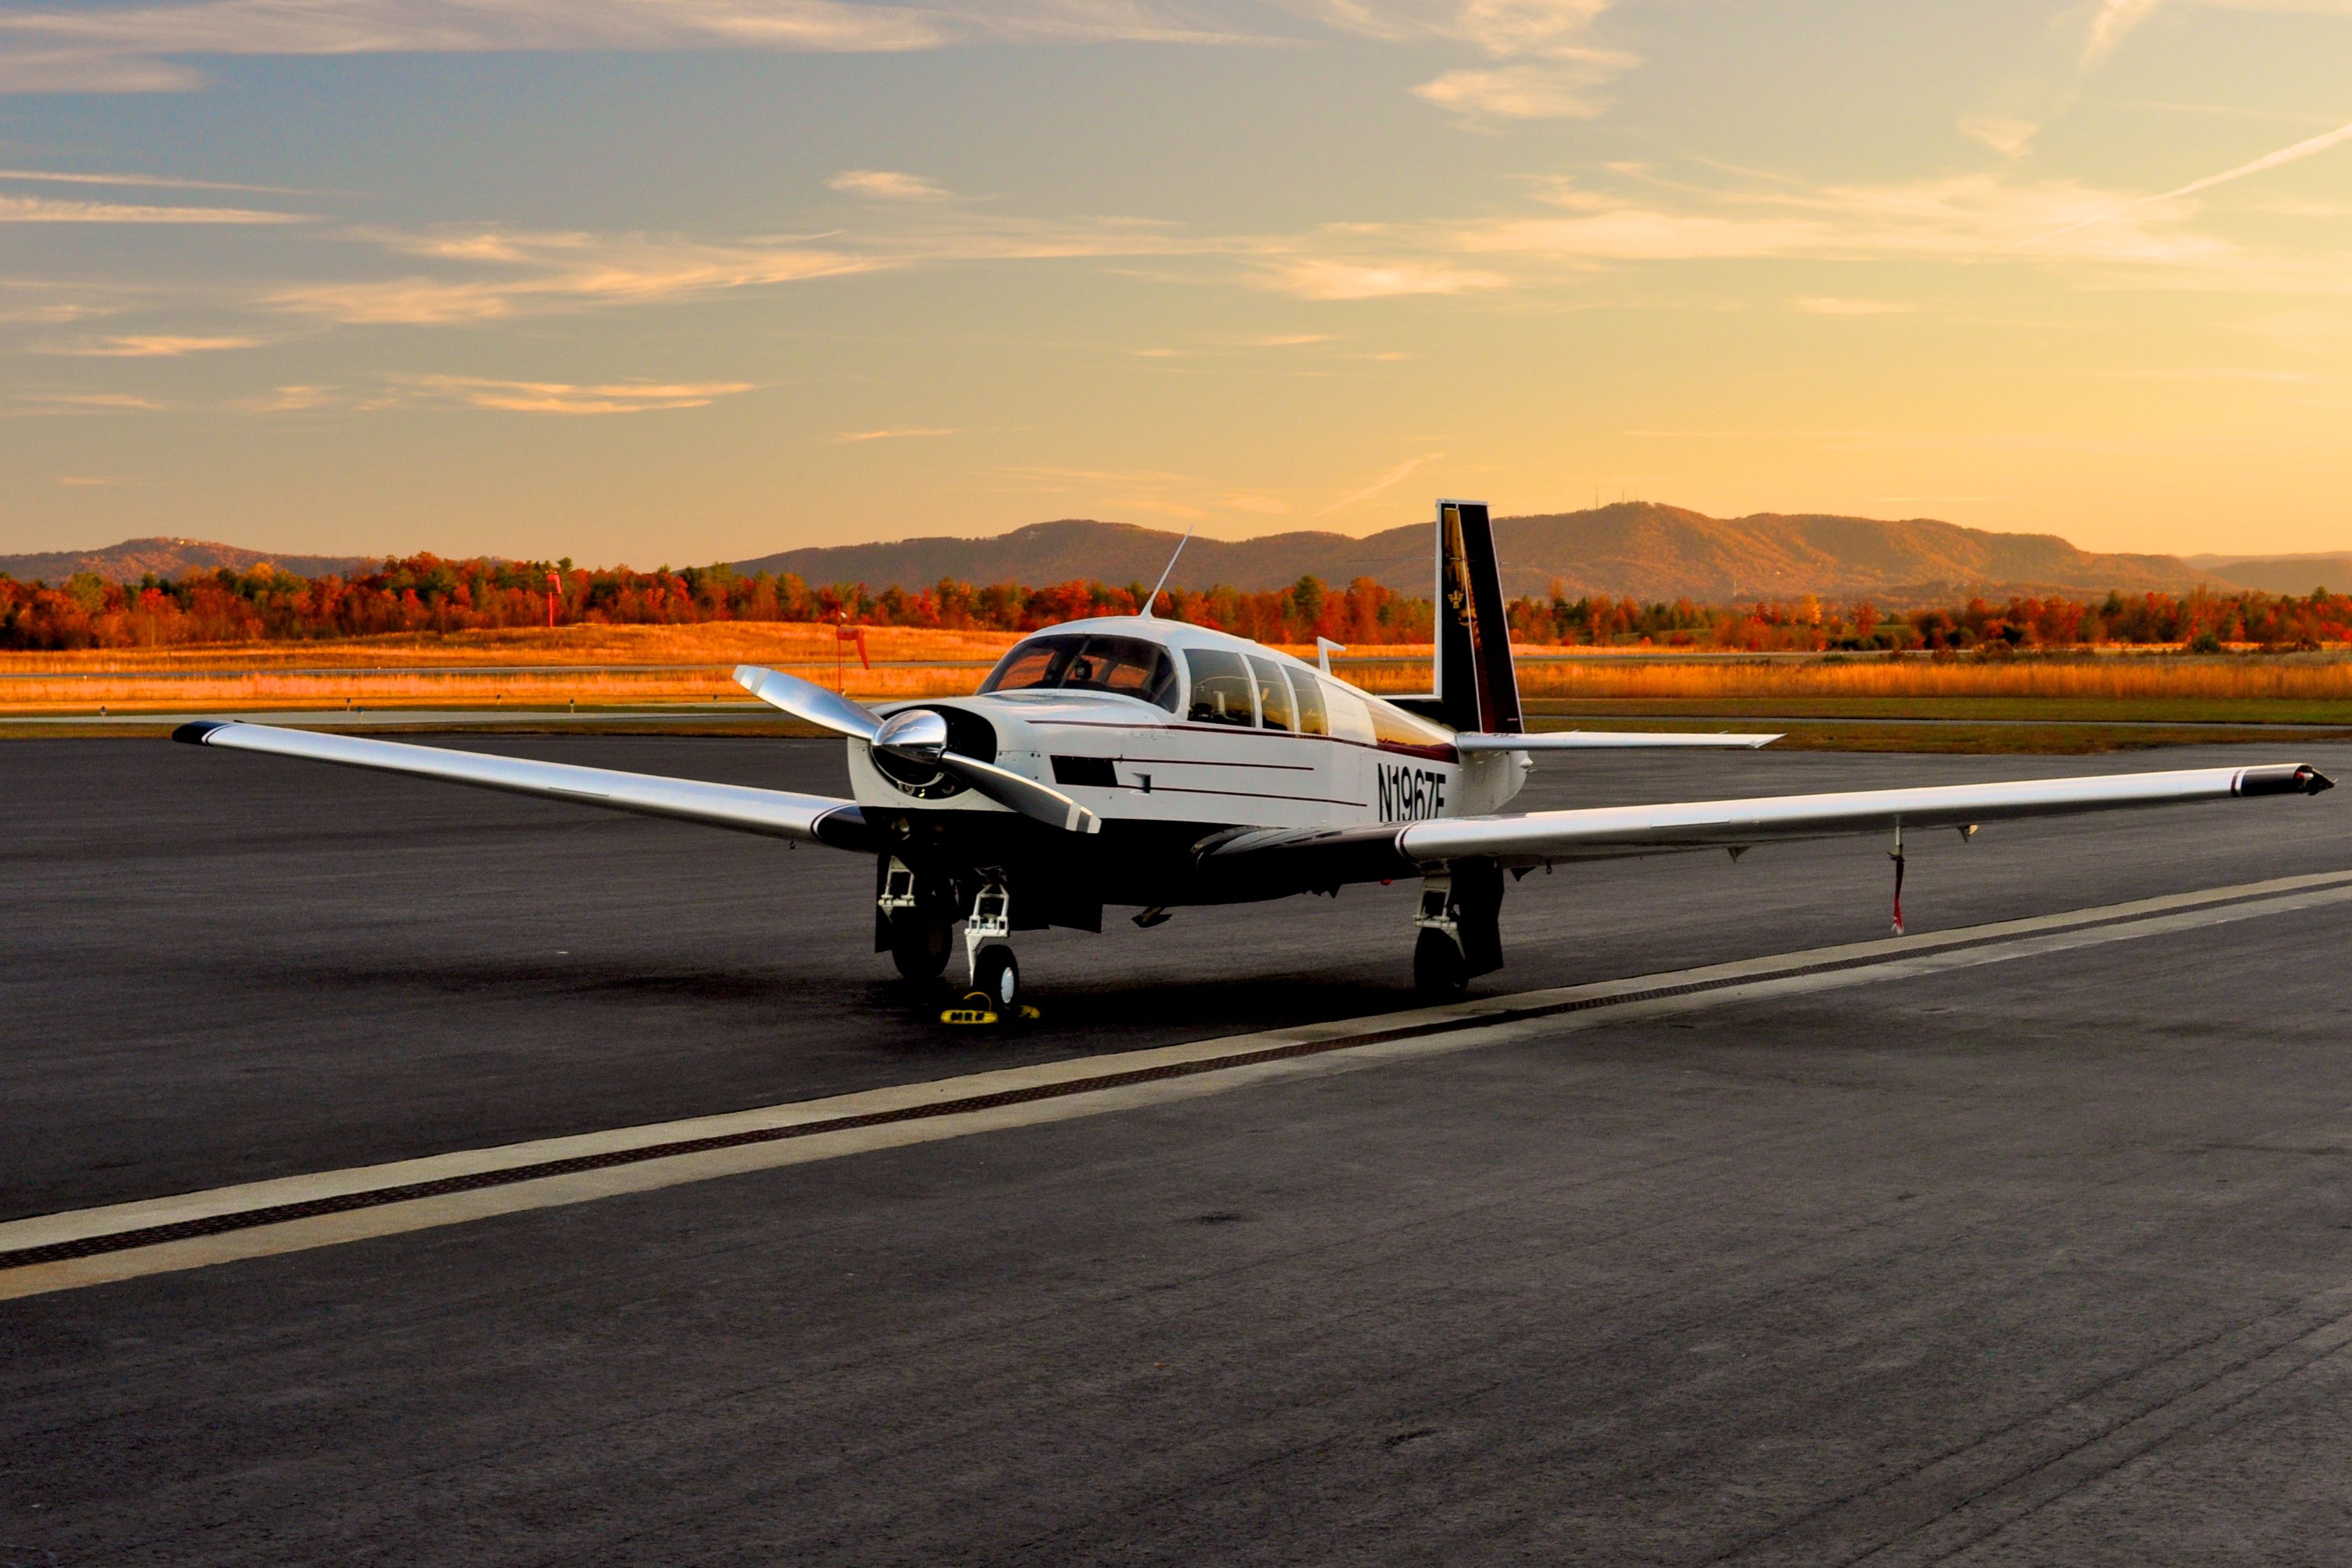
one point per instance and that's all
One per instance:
(920, 942)
(997, 975)
(1439, 972)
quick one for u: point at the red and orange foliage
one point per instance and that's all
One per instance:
(427, 594)
(424, 594)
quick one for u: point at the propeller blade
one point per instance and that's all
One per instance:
(810, 702)
(920, 737)
(1025, 796)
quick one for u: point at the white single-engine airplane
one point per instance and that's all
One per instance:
(1134, 761)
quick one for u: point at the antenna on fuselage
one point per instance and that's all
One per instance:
(1153, 598)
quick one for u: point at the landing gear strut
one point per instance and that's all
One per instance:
(915, 922)
(1461, 931)
(988, 957)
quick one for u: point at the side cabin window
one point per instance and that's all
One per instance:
(1125, 666)
(1223, 691)
(1308, 691)
(1352, 716)
(1371, 722)
(1393, 726)
(1273, 695)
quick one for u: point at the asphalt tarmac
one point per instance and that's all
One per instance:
(2045, 1261)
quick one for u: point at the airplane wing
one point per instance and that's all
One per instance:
(1605, 740)
(811, 818)
(1263, 862)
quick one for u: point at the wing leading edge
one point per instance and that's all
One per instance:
(777, 813)
(1312, 858)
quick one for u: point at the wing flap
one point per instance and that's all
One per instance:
(1609, 740)
(775, 813)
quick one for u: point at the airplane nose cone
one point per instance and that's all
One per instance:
(919, 736)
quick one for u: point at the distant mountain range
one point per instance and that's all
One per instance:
(2296, 574)
(135, 559)
(1639, 549)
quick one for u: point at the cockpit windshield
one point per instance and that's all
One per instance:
(1127, 666)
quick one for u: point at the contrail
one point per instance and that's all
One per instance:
(1381, 483)
(2303, 148)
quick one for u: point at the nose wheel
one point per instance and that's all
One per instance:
(997, 977)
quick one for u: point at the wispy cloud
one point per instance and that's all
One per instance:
(1820, 305)
(1541, 64)
(510, 273)
(145, 182)
(2078, 41)
(487, 274)
(291, 399)
(1964, 218)
(46, 210)
(147, 48)
(1348, 277)
(1393, 476)
(67, 401)
(2306, 147)
(1558, 88)
(567, 398)
(150, 348)
(886, 185)
(851, 437)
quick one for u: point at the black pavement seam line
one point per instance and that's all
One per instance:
(343, 1203)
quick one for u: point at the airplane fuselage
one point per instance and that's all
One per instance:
(1204, 752)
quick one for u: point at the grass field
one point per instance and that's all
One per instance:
(2089, 702)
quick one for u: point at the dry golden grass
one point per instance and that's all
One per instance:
(2164, 676)
(147, 691)
(609, 666)
(725, 643)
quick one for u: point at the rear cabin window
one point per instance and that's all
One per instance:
(1126, 666)
(1273, 695)
(1223, 691)
(1308, 693)
(1352, 716)
(1394, 726)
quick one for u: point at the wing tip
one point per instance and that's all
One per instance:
(2282, 779)
(198, 731)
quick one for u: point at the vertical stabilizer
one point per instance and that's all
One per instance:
(1477, 687)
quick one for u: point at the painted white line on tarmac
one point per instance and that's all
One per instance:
(928, 1112)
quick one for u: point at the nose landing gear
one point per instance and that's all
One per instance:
(995, 973)
(915, 922)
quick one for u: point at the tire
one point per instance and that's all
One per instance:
(997, 975)
(1439, 973)
(919, 944)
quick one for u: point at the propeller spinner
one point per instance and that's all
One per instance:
(918, 737)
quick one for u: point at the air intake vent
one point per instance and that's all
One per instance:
(1094, 770)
